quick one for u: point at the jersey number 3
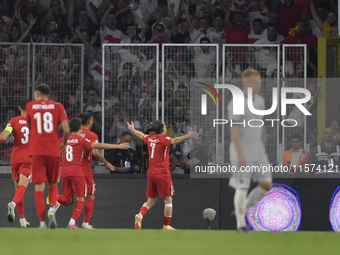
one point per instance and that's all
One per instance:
(48, 122)
(25, 131)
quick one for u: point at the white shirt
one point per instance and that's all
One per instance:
(209, 34)
(258, 15)
(63, 65)
(97, 108)
(237, 5)
(289, 68)
(139, 13)
(216, 36)
(203, 61)
(250, 137)
(95, 68)
(109, 36)
(89, 12)
(126, 57)
(295, 158)
(264, 56)
(148, 6)
(252, 35)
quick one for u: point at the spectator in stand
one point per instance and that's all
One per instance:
(124, 161)
(131, 31)
(334, 125)
(205, 58)
(238, 5)
(296, 157)
(329, 29)
(132, 55)
(288, 12)
(217, 32)
(55, 13)
(197, 157)
(267, 55)
(201, 31)
(257, 31)
(263, 13)
(148, 8)
(92, 104)
(232, 70)
(303, 37)
(95, 66)
(108, 31)
(321, 12)
(73, 9)
(84, 22)
(147, 106)
(272, 68)
(159, 35)
(182, 36)
(125, 80)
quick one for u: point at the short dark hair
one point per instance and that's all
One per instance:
(85, 117)
(125, 133)
(23, 103)
(158, 126)
(75, 124)
(154, 28)
(202, 18)
(272, 25)
(205, 39)
(94, 89)
(43, 89)
(329, 125)
(257, 20)
(218, 16)
(296, 136)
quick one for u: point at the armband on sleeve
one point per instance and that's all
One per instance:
(9, 129)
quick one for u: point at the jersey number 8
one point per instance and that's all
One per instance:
(69, 153)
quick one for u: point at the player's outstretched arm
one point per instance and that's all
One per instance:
(134, 131)
(181, 139)
(4, 134)
(101, 158)
(106, 146)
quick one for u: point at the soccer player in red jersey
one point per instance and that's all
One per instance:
(72, 174)
(87, 122)
(20, 162)
(43, 119)
(159, 177)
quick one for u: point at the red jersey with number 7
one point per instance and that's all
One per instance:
(87, 160)
(73, 157)
(158, 148)
(45, 117)
(20, 131)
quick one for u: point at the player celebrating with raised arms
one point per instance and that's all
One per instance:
(20, 162)
(247, 149)
(159, 177)
(72, 174)
(43, 119)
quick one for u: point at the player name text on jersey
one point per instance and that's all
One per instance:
(43, 106)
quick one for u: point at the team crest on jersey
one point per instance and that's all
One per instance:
(82, 135)
(336, 158)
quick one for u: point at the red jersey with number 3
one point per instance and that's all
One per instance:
(158, 148)
(73, 157)
(87, 160)
(20, 153)
(45, 117)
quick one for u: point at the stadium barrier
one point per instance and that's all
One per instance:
(119, 198)
(130, 71)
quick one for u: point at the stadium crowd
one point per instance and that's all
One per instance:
(59, 27)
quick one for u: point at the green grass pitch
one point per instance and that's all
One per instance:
(137, 242)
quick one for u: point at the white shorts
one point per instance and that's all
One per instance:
(242, 180)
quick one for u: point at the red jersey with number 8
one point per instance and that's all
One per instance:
(45, 117)
(73, 157)
(158, 148)
(20, 153)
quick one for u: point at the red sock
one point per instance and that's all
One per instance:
(77, 210)
(143, 210)
(64, 200)
(53, 194)
(167, 220)
(20, 208)
(19, 194)
(88, 210)
(40, 204)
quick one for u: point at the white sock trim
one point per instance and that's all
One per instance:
(168, 216)
(168, 205)
(72, 222)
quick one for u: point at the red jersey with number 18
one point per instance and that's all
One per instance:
(158, 148)
(45, 117)
(87, 160)
(20, 131)
(73, 157)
